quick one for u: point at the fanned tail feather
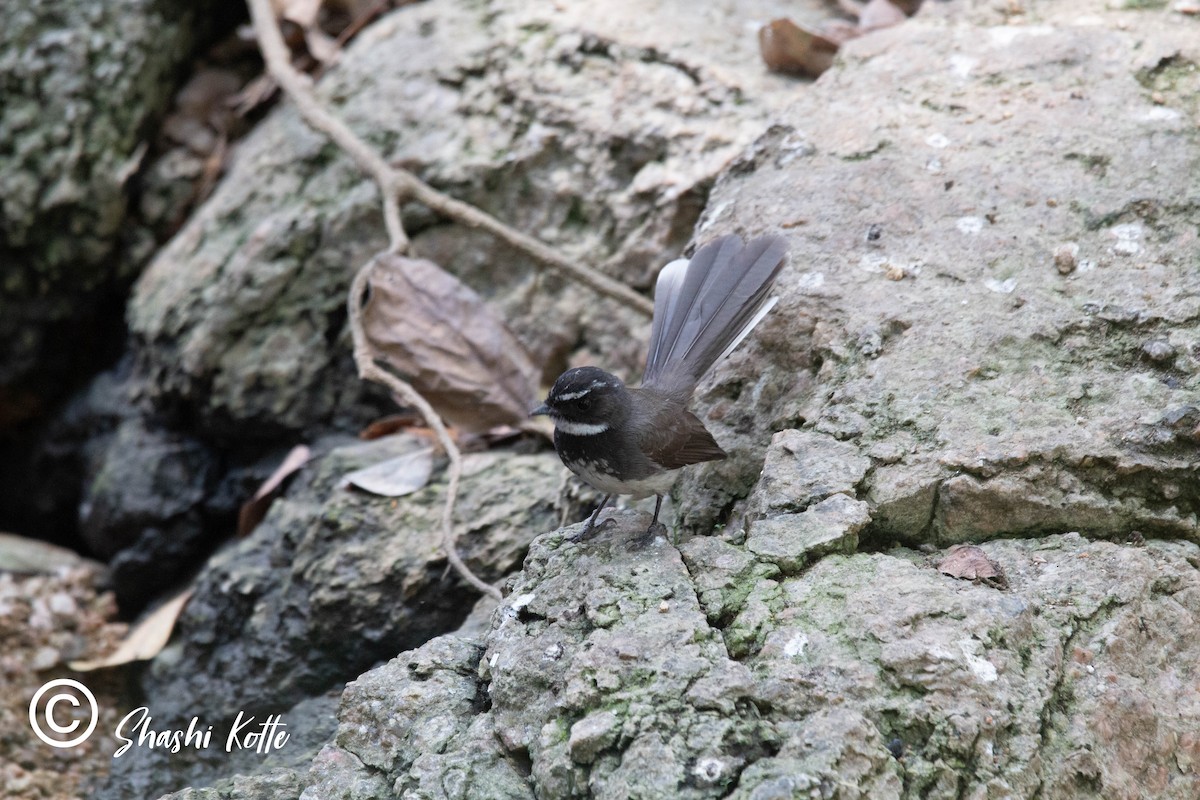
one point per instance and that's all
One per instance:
(704, 307)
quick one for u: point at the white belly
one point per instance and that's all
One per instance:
(594, 475)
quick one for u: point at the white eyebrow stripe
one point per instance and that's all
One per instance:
(573, 395)
(580, 428)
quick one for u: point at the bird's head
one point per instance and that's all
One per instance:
(585, 401)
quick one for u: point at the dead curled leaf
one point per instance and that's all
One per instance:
(394, 477)
(787, 47)
(254, 510)
(144, 641)
(438, 334)
(968, 562)
(791, 48)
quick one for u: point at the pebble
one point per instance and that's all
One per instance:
(62, 604)
(45, 658)
(1158, 350)
(1066, 258)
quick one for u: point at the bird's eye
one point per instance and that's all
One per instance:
(584, 403)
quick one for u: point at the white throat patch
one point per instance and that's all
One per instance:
(580, 428)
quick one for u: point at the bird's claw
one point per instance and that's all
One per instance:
(655, 530)
(589, 531)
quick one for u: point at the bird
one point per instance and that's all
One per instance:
(624, 440)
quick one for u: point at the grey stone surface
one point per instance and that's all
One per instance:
(990, 367)
(332, 582)
(873, 676)
(279, 785)
(239, 320)
(791, 541)
(410, 728)
(993, 394)
(803, 467)
(81, 83)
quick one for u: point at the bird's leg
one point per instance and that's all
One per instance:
(656, 527)
(590, 529)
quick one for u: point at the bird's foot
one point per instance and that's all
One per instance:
(589, 531)
(655, 530)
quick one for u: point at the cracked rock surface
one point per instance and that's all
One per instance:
(616, 672)
(925, 323)
(988, 332)
(81, 82)
(588, 130)
(331, 583)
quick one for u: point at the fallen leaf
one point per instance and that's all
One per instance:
(394, 477)
(23, 555)
(787, 47)
(968, 562)
(386, 426)
(254, 509)
(145, 640)
(441, 336)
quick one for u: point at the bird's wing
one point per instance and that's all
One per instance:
(676, 438)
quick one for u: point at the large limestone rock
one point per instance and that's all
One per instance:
(993, 293)
(81, 82)
(987, 333)
(709, 672)
(599, 133)
(331, 583)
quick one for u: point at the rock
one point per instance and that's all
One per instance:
(790, 541)
(1023, 401)
(412, 724)
(82, 81)
(491, 113)
(272, 786)
(805, 467)
(144, 509)
(593, 734)
(331, 583)
(635, 661)
(19, 554)
(874, 676)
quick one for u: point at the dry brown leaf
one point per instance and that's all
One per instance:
(145, 639)
(386, 426)
(438, 334)
(787, 47)
(394, 477)
(968, 562)
(254, 509)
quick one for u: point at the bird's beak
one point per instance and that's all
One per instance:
(540, 411)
